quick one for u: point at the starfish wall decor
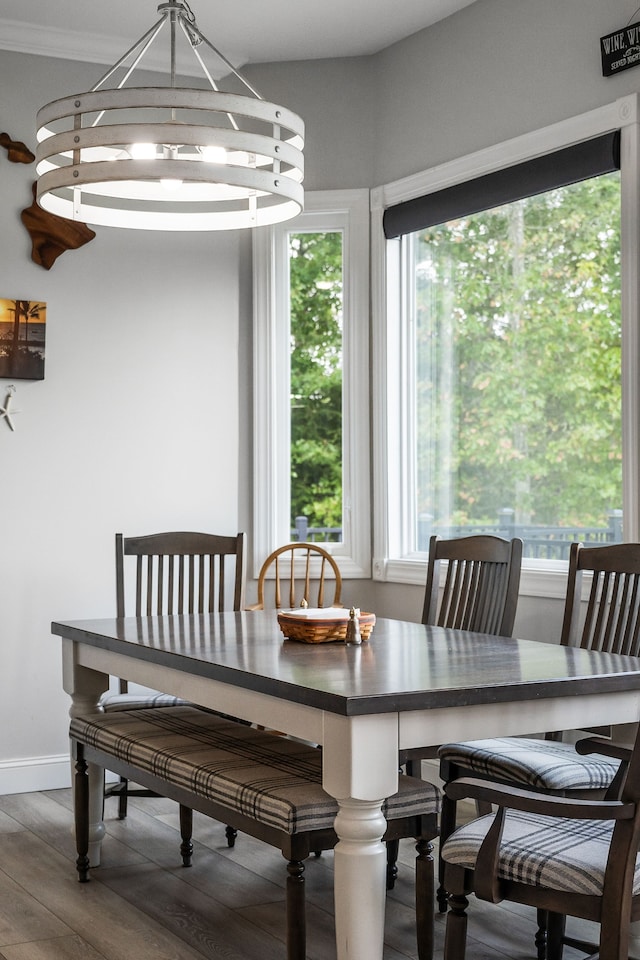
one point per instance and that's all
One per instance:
(6, 412)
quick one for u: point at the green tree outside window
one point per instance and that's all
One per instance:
(316, 287)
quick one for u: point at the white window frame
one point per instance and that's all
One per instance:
(394, 440)
(338, 210)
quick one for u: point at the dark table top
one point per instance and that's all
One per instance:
(404, 666)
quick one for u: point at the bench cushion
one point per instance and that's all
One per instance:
(543, 764)
(274, 780)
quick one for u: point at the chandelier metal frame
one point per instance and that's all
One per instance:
(172, 157)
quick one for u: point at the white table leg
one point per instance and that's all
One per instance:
(360, 869)
(85, 688)
(360, 768)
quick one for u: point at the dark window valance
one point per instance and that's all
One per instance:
(582, 161)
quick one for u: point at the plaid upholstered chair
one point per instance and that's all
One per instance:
(174, 572)
(611, 623)
(563, 856)
(480, 593)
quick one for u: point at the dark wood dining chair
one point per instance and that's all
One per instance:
(480, 594)
(297, 574)
(171, 573)
(563, 856)
(610, 622)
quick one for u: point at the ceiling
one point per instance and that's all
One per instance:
(246, 31)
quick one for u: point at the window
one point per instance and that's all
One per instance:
(516, 386)
(316, 280)
(311, 366)
(502, 334)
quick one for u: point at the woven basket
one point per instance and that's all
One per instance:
(324, 629)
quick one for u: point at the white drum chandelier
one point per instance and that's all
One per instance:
(170, 158)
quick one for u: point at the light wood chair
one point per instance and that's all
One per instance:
(610, 623)
(175, 572)
(563, 856)
(298, 573)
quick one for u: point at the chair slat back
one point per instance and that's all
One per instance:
(611, 621)
(300, 572)
(182, 573)
(480, 592)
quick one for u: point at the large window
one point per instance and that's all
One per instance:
(311, 366)
(506, 346)
(515, 314)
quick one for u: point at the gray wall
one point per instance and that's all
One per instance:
(135, 427)
(144, 419)
(496, 69)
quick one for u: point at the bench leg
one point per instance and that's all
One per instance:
(296, 912)
(186, 833)
(119, 790)
(81, 814)
(425, 897)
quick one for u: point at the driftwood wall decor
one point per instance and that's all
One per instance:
(50, 235)
(17, 151)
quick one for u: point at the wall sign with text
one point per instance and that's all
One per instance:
(620, 50)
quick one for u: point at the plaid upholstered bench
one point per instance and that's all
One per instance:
(262, 784)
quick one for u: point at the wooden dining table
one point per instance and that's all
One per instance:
(409, 686)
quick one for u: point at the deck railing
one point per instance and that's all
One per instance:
(541, 542)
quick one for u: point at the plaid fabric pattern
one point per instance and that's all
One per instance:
(272, 779)
(551, 852)
(135, 701)
(543, 764)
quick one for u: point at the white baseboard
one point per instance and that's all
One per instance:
(35, 773)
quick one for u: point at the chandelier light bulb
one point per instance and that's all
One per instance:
(213, 154)
(143, 151)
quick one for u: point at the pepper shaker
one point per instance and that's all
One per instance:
(353, 627)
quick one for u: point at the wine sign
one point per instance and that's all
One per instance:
(620, 50)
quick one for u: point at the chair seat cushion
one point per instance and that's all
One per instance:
(138, 701)
(270, 778)
(550, 852)
(542, 764)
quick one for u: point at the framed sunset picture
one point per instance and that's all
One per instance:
(23, 325)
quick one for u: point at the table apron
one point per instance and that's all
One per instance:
(420, 728)
(296, 718)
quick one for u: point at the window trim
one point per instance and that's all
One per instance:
(390, 456)
(348, 211)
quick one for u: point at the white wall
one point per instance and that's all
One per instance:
(134, 428)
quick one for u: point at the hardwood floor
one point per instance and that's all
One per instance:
(140, 904)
